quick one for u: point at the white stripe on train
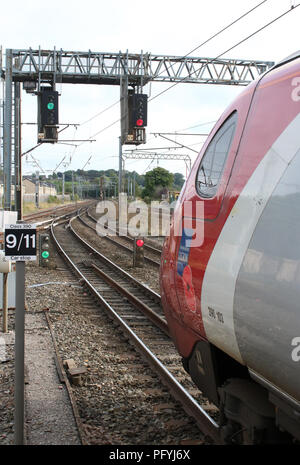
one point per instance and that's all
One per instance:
(218, 289)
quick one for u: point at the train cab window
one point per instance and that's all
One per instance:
(214, 158)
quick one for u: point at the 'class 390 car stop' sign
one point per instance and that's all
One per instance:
(20, 242)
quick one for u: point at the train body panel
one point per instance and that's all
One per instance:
(174, 297)
(239, 289)
(219, 284)
(267, 325)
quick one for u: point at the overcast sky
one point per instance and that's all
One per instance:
(159, 27)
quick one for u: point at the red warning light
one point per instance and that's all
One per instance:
(139, 122)
(140, 242)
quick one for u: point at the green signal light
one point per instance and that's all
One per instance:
(45, 254)
(50, 106)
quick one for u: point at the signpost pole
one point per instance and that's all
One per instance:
(20, 246)
(19, 352)
(4, 303)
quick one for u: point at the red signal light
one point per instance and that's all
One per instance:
(140, 242)
(139, 122)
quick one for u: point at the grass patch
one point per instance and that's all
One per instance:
(30, 207)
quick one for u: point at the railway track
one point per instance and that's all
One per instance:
(155, 250)
(55, 211)
(137, 311)
(125, 242)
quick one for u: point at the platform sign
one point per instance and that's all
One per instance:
(20, 242)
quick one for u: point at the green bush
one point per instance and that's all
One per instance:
(52, 199)
(147, 199)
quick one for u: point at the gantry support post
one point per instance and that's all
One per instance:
(18, 154)
(7, 128)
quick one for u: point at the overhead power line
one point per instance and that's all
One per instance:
(88, 161)
(100, 113)
(196, 48)
(57, 166)
(196, 126)
(222, 30)
(226, 51)
(101, 130)
(231, 48)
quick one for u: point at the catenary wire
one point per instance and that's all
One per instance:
(100, 113)
(226, 51)
(229, 49)
(196, 48)
(220, 32)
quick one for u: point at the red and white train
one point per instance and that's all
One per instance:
(233, 302)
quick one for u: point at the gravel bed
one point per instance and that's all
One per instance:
(114, 406)
(149, 275)
(49, 418)
(112, 402)
(58, 426)
(155, 241)
(7, 383)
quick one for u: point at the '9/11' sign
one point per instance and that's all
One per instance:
(20, 242)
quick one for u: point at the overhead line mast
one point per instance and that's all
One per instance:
(137, 155)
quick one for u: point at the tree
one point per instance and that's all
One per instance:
(68, 175)
(92, 174)
(139, 178)
(157, 181)
(178, 181)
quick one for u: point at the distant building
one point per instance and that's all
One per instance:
(28, 186)
(45, 189)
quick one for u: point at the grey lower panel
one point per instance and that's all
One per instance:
(267, 295)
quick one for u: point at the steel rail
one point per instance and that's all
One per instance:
(207, 425)
(50, 211)
(41, 225)
(64, 379)
(153, 294)
(119, 244)
(154, 317)
(128, 238)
